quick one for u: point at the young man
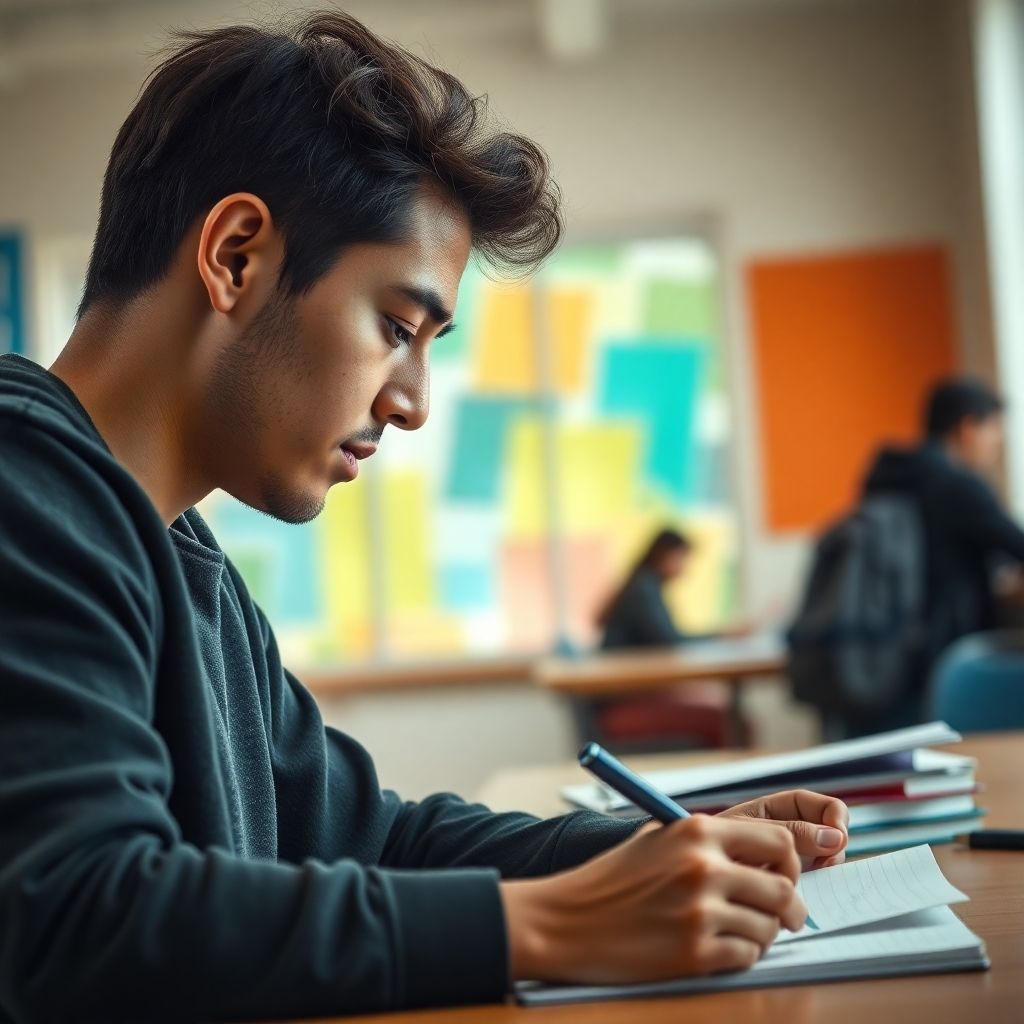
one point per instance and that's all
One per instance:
(284, 223)
(966, 529)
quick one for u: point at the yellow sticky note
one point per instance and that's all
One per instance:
(618, 307)
(596, 467)
(697, 598)
(525, 494)
(505, 349)
(506, 353)
(347, 582)
(405, 520)
(425, 633)
(570, 319)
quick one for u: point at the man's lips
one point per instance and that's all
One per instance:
(352, 452)
(359, 450)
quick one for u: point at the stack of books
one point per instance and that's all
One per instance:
(899, 791)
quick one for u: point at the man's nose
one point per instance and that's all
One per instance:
(404, 401)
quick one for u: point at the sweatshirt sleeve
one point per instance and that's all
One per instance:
(108, 914)
(444, 831)
(330, 804)
(980, 520)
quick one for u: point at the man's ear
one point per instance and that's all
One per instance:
(236, 246)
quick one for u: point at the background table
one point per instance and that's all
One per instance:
(733, 662)
(993, 880)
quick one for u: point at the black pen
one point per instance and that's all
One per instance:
(994, 839)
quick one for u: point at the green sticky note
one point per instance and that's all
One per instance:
(681, 307)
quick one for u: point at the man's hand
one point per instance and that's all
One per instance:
(820, 825)
(700, 895)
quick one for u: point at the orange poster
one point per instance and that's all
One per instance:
(846, 348)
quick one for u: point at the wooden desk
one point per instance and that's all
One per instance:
(993, 880)
(730, 661)
(373, 677)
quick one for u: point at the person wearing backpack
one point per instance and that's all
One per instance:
(909, 571)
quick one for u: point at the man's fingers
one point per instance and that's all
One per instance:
(748, 843)
(798, 804)
(815, 840)
(827, 862)
(809, 806)
(729, 953)
(745, 923)
(814, 843)
(768, 892)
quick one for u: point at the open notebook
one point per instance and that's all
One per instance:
(872, 918)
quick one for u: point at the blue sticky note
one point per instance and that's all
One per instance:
(467, 586)
(11, 318)
(481, 428)
(287, 585)
(658, 383)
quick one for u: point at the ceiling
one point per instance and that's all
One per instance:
(43, 35)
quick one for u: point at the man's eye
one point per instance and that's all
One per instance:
(400, 334)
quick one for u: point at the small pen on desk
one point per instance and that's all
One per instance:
(994, 839)
(612, 772)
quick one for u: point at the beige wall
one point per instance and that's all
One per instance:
(455, 738)
(793, 126)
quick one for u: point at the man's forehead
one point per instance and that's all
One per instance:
(440, 232)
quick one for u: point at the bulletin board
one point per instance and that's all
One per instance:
(846, 347)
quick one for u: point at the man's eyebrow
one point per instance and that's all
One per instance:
(429, 301)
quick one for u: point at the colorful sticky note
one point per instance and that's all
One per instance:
(681, 307)
(698, 599)
(585, 262)
(345, 555)
(481, 426)
(466, 586)
(427, 632)
(506, 357)
(619, 308)
(505, 360)
(11, 326)
(526, 595)
(281, 559)
(570, 318)
(658, 383)
(596, 467)
(526, 589)
(405, 522)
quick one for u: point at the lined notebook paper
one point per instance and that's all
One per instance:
(871, 890)
(873, 918)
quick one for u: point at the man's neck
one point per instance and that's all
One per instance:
(133, 382)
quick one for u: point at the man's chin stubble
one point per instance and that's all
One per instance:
(287, 506)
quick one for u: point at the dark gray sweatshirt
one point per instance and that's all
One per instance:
(181, 837)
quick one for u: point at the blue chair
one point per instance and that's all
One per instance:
(978, 683)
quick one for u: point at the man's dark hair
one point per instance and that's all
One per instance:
(956, 399)
(335, 129)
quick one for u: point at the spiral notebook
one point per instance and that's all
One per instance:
(878, 917)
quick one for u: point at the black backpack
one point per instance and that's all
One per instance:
(858, 643)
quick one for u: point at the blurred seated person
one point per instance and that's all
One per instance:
(637, 616)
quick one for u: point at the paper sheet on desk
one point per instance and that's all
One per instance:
(870, 890)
